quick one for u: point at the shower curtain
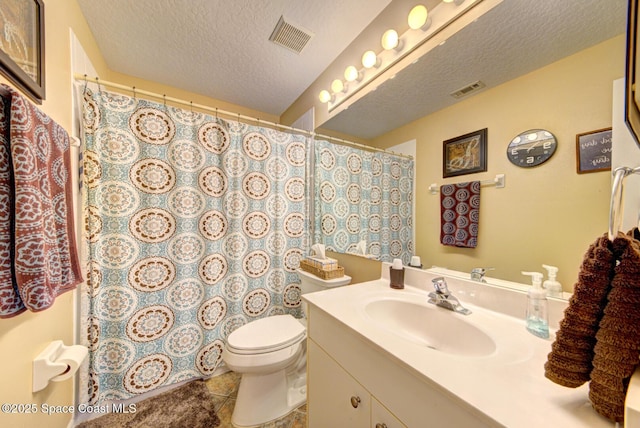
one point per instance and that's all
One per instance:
(364, 195)
(195, 226)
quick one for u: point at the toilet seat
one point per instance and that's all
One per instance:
(266, 335)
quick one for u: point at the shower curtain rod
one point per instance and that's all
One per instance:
(191, 104)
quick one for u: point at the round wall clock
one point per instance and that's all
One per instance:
(532, 148)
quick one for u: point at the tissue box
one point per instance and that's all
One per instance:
(306, 266)
(322, 264)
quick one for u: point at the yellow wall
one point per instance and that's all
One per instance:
(25, 336)
(547, 214)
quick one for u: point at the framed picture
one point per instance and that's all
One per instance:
(465, 154)
(22, 45)
(593, 151)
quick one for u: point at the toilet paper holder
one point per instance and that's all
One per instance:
(56, 363)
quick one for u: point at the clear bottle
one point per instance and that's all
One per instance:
(553, 287)
(537, 317)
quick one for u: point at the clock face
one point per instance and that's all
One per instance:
(531, 148)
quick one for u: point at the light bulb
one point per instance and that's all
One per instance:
(390, 40)
(351, 74)
(370, 59)
(324, 96)
(337, 86)
(418, 17)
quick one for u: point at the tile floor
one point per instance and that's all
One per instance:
(224, 389)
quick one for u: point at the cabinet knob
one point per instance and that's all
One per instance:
(381, 425)
(355, 401)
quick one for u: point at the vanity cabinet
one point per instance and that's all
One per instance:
(337, 400)
(353, 383)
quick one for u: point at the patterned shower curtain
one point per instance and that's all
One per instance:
(364, 195)
(195, 226)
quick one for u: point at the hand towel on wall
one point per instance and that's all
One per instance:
(570, 361)
(460, 212)
(618, 338)
(599, 336)
(45, 259)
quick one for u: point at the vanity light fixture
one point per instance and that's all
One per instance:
(325, 96)
(391, 40)
(371, 60)
(337, 86)
(352, 74)
(419, 18)
(428, 28)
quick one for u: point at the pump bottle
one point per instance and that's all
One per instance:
(537, 312)
(553, 287)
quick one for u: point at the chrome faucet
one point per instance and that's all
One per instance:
(477, 274)
(442, 297)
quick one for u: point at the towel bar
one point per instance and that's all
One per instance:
(498, 181)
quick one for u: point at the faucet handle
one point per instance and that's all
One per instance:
(440, 284)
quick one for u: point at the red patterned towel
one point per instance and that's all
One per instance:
(42, 242)
(10, 301)
(460, 212)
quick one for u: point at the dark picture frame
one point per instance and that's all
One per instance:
(466, 154)
(593, 151)
(22, 46)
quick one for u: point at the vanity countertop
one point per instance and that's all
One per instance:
(508, 386)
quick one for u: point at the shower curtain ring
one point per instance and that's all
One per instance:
(216, 112)
(134, 92)
(99, 87)
(84, 90)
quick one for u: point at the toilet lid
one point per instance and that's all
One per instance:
(266, 334)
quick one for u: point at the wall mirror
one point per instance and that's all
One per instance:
(502, 45)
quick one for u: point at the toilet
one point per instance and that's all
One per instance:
(270, 354)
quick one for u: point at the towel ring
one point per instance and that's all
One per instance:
(615, 207)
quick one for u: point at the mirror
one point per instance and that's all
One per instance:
(522, 68)
(632, 97)
(364, 202)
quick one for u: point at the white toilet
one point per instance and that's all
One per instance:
(270, 353)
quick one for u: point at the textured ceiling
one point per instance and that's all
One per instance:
(514, 38)
(221, 48)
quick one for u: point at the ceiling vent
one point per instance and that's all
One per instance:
(290, 36)
(463, 92)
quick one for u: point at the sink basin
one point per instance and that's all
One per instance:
(430, 326)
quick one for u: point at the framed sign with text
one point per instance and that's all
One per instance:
(593, 151)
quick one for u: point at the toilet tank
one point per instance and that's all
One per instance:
(310, 283)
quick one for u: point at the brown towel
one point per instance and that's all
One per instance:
(570, 361)
(42, 254)
(617, 352)
(459, 214)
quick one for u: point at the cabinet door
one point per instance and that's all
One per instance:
(383, 418)
(334, 398)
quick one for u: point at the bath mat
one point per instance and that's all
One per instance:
(190, 405)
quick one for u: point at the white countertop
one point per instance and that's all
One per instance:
(508, 386)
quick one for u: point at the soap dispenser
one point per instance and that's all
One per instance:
(537, 314)
(553, 287)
